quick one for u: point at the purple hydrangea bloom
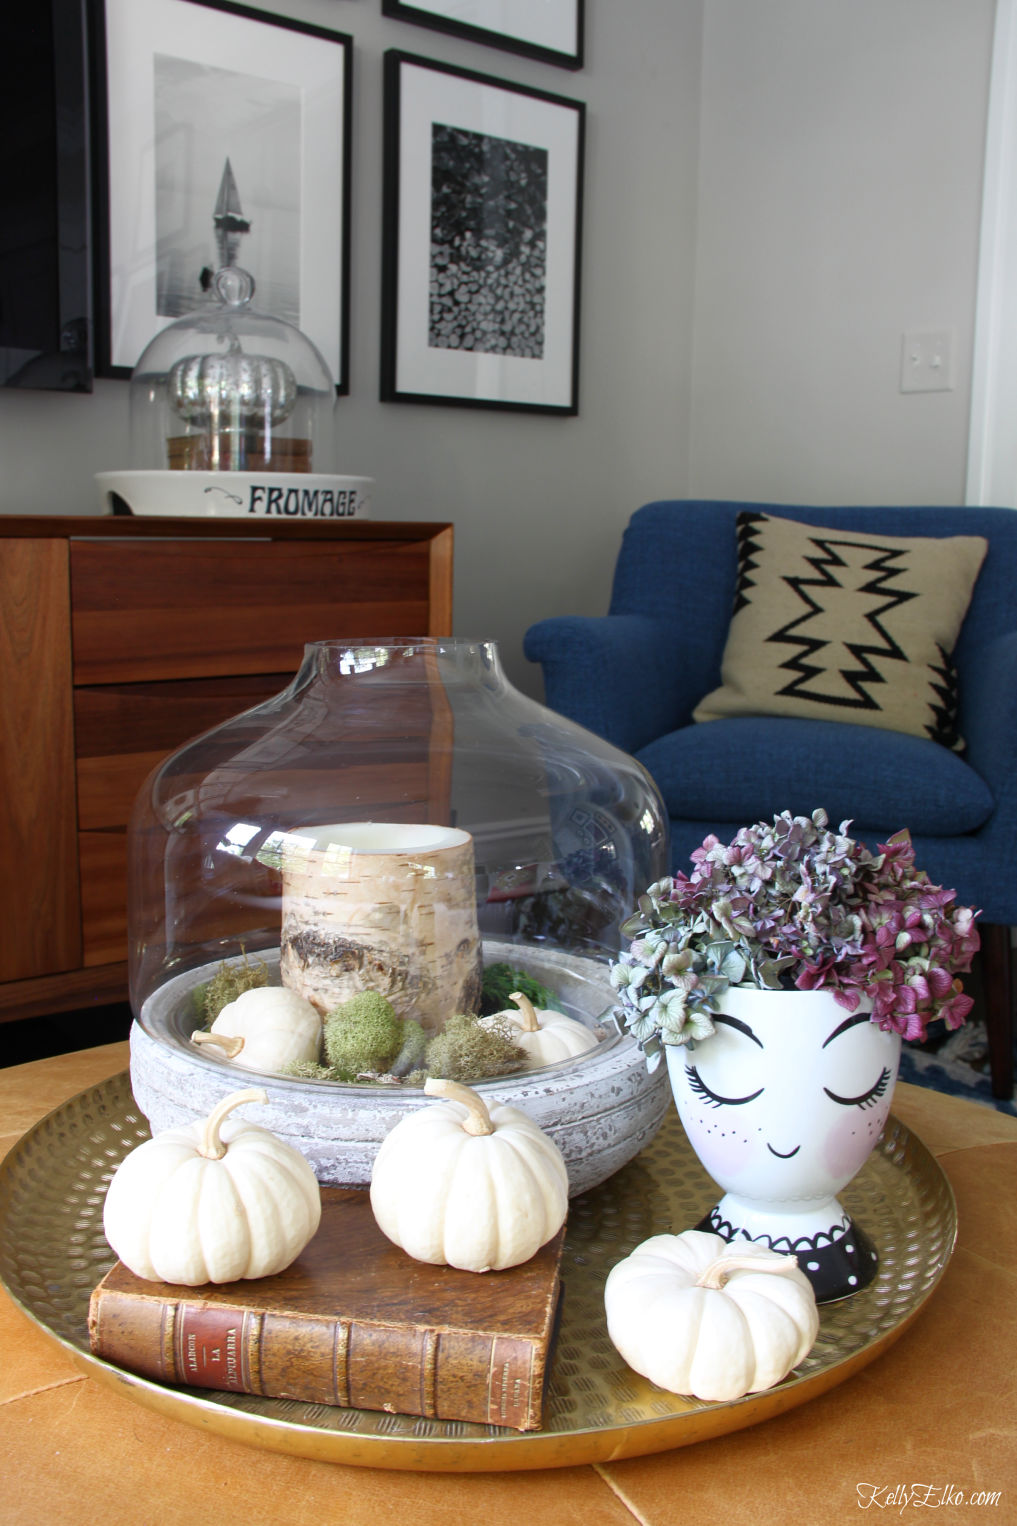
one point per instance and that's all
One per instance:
(792, 903)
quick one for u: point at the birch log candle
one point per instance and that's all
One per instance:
(382, 906)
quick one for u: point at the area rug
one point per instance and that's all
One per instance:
(955, 1063)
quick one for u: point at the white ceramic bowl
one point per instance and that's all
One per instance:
(264, 495)
(600, 1107)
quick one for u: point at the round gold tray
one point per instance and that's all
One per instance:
(52, 1187)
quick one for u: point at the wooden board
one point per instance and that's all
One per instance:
(39, 911)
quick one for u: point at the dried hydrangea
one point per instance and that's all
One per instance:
(791, 903)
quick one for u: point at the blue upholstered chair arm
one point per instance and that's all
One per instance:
(989, 713)
(614, 674)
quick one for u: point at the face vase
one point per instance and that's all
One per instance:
(783, 1103)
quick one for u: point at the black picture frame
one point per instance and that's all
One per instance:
(552, 31)
(481, 247)
(46, 327)
(182, 87)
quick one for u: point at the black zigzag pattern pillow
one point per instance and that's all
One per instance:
(846, 626)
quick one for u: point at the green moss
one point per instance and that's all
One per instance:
(309, 1070)
(464, 1051)
(228, 982)
(362, 1034)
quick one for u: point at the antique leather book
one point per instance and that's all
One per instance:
(353, 1322)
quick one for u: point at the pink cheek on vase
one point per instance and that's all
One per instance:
(850, 1143)
(722, 1142)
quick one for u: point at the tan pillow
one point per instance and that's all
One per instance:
(841, 625)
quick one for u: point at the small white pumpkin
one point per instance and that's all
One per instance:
(697, 1315)
(460, 1185)
(544, 1035)
(265, 1029)
(212, 1202)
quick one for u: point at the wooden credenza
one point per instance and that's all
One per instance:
(120, 639)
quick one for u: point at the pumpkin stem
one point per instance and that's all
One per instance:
(210, 1145)
(478, 1119)
(716, 1274)
(230, 1046)
(530, 1023)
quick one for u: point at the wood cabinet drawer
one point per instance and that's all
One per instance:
(103, 857)
(178, 609)
(122, 731)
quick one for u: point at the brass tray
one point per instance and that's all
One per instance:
(52, 1187)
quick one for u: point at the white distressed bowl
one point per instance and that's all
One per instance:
(601, 1108)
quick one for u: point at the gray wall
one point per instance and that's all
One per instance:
(774, 192)
(839, 206)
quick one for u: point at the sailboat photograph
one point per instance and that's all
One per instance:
(226, 144)
(227, 139)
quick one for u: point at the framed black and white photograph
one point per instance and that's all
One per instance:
(481, 241)
(551, 30)
(226, 141)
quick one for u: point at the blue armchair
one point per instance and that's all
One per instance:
(635, 675)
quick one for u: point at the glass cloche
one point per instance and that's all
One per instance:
(233, 412)
(380, 746)
(395, 831)
(229, 388)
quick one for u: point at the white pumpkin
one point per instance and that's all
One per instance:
(544, 1036)
(697, 1315)
(460, 1185)
(265, 1029)
(212, 1202)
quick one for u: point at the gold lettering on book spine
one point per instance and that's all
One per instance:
(251, 1333)
(429, 1374)
(167, 1353)
(510, 1378)
(341, 1362)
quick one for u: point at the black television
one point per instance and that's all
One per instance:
(46, 337)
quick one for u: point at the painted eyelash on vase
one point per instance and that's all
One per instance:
(713, 1099)
(867, 1098)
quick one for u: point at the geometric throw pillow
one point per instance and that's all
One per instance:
(846, 626)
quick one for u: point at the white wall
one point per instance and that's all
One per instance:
(842, 147)
(538, 501)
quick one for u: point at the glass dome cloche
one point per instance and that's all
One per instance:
(399, 821)
(233, 412)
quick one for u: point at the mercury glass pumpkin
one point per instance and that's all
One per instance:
(229, 388)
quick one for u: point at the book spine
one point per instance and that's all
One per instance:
(437, 1373)
(446, 1374)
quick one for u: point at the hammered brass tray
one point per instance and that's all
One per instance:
(52, 1253)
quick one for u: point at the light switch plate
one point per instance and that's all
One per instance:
(926, 361)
